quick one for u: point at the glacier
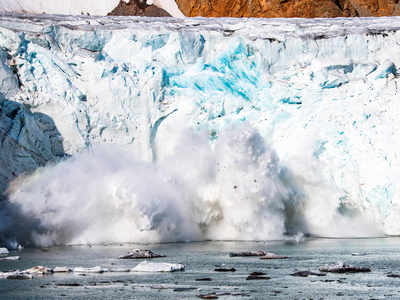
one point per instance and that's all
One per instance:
(136, 129)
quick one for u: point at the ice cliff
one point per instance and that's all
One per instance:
(216, 128)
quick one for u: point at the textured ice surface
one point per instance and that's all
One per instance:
(258, 127)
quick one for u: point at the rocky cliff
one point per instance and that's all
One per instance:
(271, 8)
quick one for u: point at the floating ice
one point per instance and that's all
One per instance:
(157, 267)
(4, 252)
(62, 270)
(82, 270)
(9, 258)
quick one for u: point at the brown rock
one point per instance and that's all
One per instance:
(269, 8)
(289, 8)
(134, 9)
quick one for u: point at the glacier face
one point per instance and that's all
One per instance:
(255, 127)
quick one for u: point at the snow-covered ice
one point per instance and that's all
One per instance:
(199, 128)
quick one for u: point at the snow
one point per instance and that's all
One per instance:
(293, 125)
(77, 7)
(168, 5)
(68, 7)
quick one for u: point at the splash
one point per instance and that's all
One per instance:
(234, 188)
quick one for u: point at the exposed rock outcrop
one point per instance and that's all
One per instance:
(271, 8)
(290, 8)
(133, 8)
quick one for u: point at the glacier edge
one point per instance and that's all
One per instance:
(320, 95)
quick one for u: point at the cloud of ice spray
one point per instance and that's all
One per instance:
(227, 190)
(231, 189)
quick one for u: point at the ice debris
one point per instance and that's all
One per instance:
(307, 273)
(248, 253)
(81, 270)
(9, 258)
(344, 268)
(62, 270)
(270, 255)
(4, 252)
(157, 267)
(139, 253)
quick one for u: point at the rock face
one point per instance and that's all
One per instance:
(290, 8)
(134, 9)
(271, 8)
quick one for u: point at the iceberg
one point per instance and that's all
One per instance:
(196, 129)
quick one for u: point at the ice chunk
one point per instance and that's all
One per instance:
(17, 276)
(270, 255)
(62, 270)
(139, 253)
(4, 252)
(344, 268)
(119, 270)
(157, 267)
(89, 270)
(9, 258)
(248, 253)
(38, 270)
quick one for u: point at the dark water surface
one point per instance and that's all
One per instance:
(200, 259)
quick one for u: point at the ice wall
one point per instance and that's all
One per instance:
(240, 129)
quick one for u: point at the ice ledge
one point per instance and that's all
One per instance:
(253, 28)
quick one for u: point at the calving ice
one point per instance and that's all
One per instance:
(199, 129)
